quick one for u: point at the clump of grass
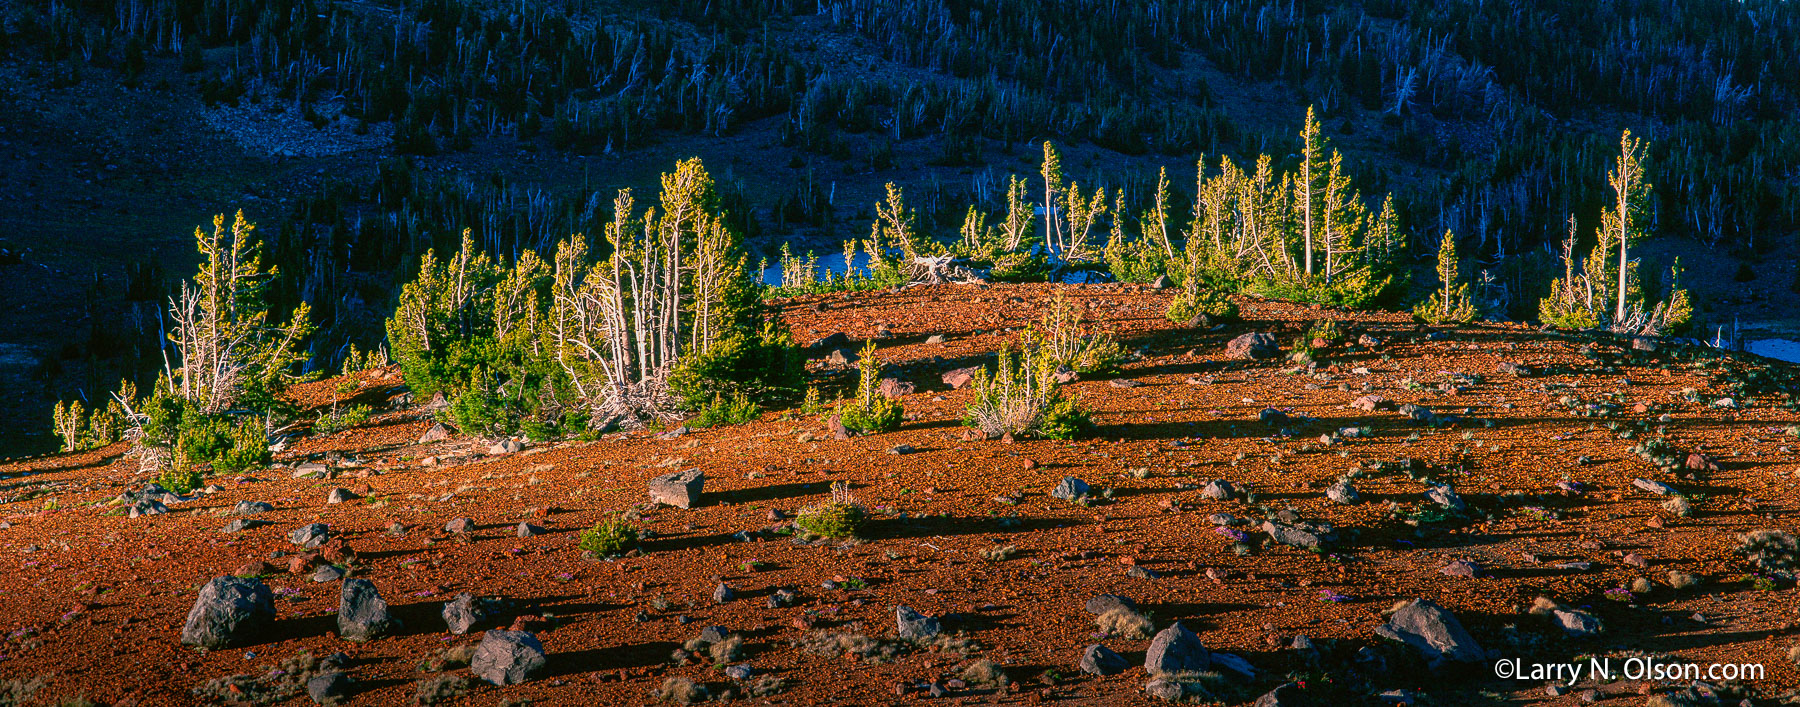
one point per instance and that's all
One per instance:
(1773, 551)
(984, 673)
(283, 682)
(611, 536)
(999, 553)
(432, 691)
(841, 644)
(1125, 623)
(720, 652)
(1682, 580)
(841, 517)
(681, 691)
(447, 659)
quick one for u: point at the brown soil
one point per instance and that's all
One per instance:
(95, 602)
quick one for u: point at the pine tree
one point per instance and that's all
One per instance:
(1631, 198)
(1450, 303)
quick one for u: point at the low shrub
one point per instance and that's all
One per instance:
(841, 517)
(870, 411)
(611, 536)
(721, 412)
(1021, 396)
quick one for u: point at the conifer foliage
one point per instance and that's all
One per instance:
(1449, 303)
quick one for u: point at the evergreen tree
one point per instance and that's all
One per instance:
(1450, 303)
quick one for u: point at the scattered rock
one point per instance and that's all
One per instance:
(340, 495)
(507, 657)
(843, 358)
(961, 377)
(680, 489)
(527, 530)
(437, 433)
(311, 470)
(506, 446)
(250, 508)
(1306, 536)
(310, 536)
(1343, 493)
(238, 525)
(1435, 632)
(894, 388)
(1176, 650)
(901, 449)
(723, 594)
(227, 611)
(1070, 489)
(935, 339)
(1577, 623)
(1461, 568)
(460, 526)
(1272, 417)
(362, 613)
(1445, 496)
(914, 625)
(329, 688)
(328, 573)
(1656, 487)
(1218, 490)
(463, 611)
(1123, 383)
(1286, 694)
(1516, 369)
(148, 507)
(1100, 660)
(1255, 345)
(1370, 403)
(1109, 602)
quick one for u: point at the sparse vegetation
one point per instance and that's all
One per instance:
(611, 536)
(869, 412)
(841, 517)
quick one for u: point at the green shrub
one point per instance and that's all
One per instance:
(1022, 397)
(721, 412)
(1450, 303)
(1060, 337)
(339, 420)
(841, 517)
(871, 411)
(609, 537)
(1201, 301)
(759, 366)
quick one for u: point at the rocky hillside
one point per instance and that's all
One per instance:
(1270, 511)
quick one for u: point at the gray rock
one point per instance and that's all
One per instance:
(1070, 489)
(329, 688)
(148, 507)
(311, 470)
(1369, 403)
(227, 611)
(1218, 490)
(1445, 496)
(739, 672)
(1108, 602)
(310, 535)
(328, 573)
(1514, 368)
(1656, 487)
(680, 489)
(463, 611)
(438, 433)
(460, 526)
(1304, 536)
(362, 614)
(527, 530)
(935, 339)
(1435, 632)
(508, 657)
(238, 525)
(1165, 689)
(341, 495)
(1577, 623)
(1176, 650)
(1419, 413)
(1461, 568)
(1343, 493)
(250, 508)
(842, 358)
(724, 594)
(1271, 416)
(1100, 660)
(1233, 663)
(914, 625)
(506, 446)
(1255, 345)
(714, 634)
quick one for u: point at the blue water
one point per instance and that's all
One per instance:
(832, 263)
(1779, 349)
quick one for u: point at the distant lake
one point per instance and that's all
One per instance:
(832, 263)
(1779, 349)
